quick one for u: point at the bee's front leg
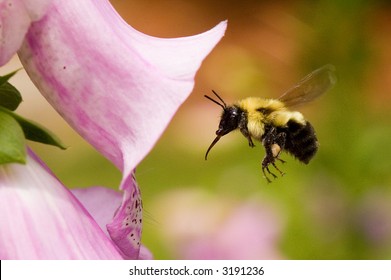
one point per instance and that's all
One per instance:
(244, 130)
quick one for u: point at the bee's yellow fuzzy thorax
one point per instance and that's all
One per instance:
(261, 111)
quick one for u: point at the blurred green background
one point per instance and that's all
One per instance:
(337, 207)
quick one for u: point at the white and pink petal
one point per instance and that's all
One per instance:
(117, 87)
(119, 215)
(15, 19)
(41, 219)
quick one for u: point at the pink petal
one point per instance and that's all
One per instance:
(41, 219)
(102, 203)
(145, 254)
(15, 19)
(125, 229)
(117, 87)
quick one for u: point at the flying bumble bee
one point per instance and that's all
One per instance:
(271, 122)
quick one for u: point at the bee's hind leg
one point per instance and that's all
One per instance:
(274, 143)
(276, 151)
(265, 165)
(278, 147)
(275, 166)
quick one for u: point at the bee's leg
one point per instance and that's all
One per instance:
(274, 143)
(244, 130)
(276, 150)
(275, 166)
(269, 158)
(278, 146)
(265, 165)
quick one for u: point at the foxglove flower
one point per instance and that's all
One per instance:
(41, 219)
(117, 87)
(15, 19)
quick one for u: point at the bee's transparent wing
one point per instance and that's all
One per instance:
(310, 87)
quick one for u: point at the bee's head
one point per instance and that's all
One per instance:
(229, 120)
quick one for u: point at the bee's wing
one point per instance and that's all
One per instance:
(310, 87)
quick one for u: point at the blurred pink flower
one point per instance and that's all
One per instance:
(198, 225)
(250, 231)
(117, 87)
(373, 220)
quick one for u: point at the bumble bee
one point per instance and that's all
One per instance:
(273, 124)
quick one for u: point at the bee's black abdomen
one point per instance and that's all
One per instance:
(301, 141)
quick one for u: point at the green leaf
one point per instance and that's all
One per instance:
(10, 97)
(12, 142)
(4, 79)
(34, 131)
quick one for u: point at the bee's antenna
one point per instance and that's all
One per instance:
(224, 106)
(218, 96)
